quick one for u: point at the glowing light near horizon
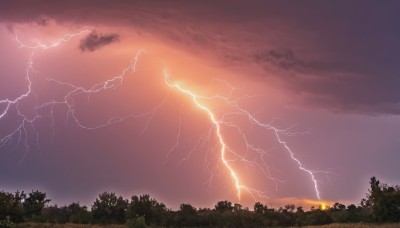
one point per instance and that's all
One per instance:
(21, 132)
(323, 205)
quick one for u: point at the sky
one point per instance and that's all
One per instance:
(134, 97)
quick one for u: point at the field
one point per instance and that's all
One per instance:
(356, 225)
(36, 225)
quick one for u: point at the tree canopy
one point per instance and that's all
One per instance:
(382, 204)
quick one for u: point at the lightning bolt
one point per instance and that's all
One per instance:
(37, 44)
(223, 146)
(195, 99)
(21, 132)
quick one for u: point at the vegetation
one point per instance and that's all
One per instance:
(381, 205)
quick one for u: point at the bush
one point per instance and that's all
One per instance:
(6, 223)
(136, 222)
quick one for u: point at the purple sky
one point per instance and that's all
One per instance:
(326, 71)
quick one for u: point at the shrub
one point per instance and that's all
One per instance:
(136, 222)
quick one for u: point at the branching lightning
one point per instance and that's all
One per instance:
(21, 132)
(37, 44)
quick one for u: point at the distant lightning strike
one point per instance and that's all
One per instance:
(115, 82)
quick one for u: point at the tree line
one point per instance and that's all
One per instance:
(382, 204)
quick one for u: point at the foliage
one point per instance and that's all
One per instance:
(34, 204)
(78, 214)
(11, 206)
(382, 204)
(55, 215)
(109, 208)
(136, 222)
(6, 223)
(383, 201)
(224, 206)
(152, 211)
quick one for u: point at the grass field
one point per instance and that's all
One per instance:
(36, 225)
(356, 225)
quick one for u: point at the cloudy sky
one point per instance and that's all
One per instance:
(89, 100)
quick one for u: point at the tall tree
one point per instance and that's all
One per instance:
(186, 216)
(151, 209)
(78, 214)
(109, 208)
(34, 204)
(384, 201)
(224, 206)
(11, 206)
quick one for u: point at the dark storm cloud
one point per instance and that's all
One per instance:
(333, 83)
(342, 55)
(95, 41)
(43, 21)
(286, 59)
(282, 58)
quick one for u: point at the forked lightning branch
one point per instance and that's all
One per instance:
(21, 137)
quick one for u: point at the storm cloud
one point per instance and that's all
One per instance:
(307, 39)
(95, 41)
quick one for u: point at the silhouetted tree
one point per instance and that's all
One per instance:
(151, 209)
(299, 216)
(317, 217)
(207, 217)
(34, 204)
(338, 213)
(79, 214)
(136, 222)
(384, 201)
(338, 207)
(55, 214)
(242, 217)
(11, 206)
(287, 215)
(187, 209)
(186, 216)
(382, 204)
(259, 208)
(224, 206)
(109, 208)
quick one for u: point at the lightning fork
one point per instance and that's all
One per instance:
(115, 82)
